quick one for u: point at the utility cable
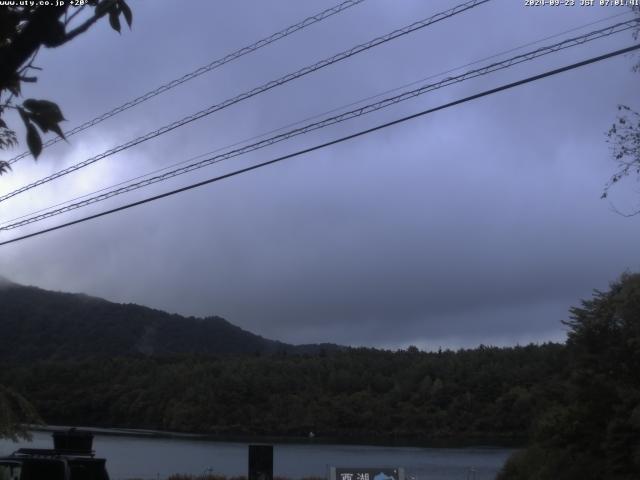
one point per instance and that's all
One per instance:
(267, 86)
(597, 34)
(200, 71)
(315, 116)
(332, 142)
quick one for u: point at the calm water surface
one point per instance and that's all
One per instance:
(157, 458)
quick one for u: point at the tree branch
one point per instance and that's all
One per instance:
(28, 40)
(100, 11)
(73, 15)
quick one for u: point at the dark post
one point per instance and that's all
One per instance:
(260, 462)
(73, 440)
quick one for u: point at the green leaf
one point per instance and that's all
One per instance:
(103, 7)
(40, 122)
(44, 108)
(126, 11)
(24, 116)
(114, 21)
(56, 128)
(4, 167)
(45, 114)
(34, 141)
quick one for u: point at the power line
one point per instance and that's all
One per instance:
(313, 117)
(594, 35)
(124, 182)
(202, 70)
(332, 142)
(267, 86)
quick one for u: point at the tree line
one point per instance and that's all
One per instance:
(361, 393)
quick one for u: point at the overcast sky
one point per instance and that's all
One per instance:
(481, 223)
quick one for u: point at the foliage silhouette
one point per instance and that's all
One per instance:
(24, 30)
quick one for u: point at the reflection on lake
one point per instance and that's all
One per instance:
(153, 458)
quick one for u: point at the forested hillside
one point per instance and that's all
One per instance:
(38, 325)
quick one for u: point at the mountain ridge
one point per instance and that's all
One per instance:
(39, 325)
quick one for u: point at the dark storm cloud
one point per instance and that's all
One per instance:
(480, 223)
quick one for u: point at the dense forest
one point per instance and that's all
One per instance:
(486, 392)
(591, 431)
(576, 405)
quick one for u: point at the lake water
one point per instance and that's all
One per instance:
(157, 458)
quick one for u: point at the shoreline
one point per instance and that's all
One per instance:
(477, 442)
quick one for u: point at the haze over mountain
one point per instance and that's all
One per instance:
(37, 324)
